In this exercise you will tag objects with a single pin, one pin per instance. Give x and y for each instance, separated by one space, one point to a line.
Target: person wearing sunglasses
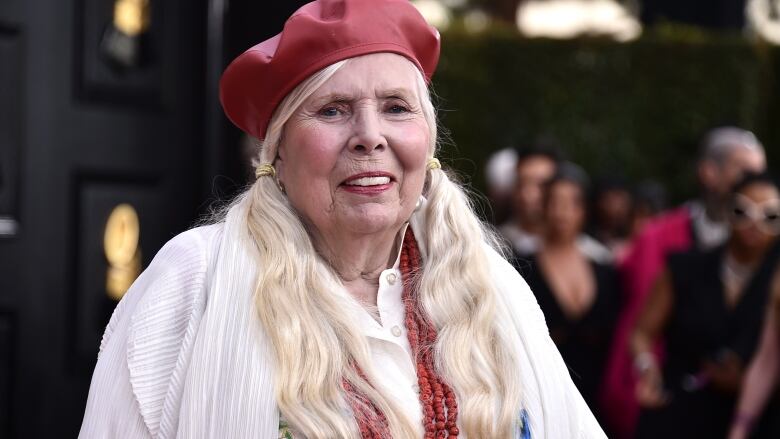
707 305
757 409
726 154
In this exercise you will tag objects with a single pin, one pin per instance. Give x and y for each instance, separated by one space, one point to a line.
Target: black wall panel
98 80
96 197
11 73
6 372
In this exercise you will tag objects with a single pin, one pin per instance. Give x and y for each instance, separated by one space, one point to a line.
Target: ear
279 162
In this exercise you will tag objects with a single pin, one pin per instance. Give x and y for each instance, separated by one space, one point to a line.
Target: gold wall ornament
132 17
124 42
122 250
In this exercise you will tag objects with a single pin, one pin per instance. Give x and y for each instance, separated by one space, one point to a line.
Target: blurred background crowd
656 309
624 149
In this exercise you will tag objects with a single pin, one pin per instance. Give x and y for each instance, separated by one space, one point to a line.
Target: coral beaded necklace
439 405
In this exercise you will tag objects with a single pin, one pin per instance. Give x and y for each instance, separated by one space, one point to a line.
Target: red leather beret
317 35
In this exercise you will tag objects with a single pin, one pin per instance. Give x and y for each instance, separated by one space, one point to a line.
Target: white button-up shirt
391 352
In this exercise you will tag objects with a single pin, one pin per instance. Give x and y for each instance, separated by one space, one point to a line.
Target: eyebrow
400 92
334 97
396 92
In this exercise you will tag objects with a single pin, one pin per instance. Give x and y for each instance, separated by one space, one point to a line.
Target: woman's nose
367 135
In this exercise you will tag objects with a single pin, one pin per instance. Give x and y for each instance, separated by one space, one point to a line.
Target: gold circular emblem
120 240
132 17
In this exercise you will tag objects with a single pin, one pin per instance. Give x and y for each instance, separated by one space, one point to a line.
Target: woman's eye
329 111
398 109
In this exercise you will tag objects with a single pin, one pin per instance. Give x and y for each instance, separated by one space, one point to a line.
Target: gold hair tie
265 170
433 163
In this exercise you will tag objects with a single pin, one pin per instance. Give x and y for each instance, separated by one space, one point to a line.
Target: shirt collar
399 243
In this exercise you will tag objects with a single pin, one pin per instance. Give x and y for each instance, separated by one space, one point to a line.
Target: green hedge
635 109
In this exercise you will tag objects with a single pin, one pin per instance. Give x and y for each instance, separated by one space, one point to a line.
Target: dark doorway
99 128
89 120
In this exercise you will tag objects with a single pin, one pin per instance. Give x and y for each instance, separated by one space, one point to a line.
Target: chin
372 219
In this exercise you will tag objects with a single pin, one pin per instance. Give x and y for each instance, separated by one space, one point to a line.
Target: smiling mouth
368 181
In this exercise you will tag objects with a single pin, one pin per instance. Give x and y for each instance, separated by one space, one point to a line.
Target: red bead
435 396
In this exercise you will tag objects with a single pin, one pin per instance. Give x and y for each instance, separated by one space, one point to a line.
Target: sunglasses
765 215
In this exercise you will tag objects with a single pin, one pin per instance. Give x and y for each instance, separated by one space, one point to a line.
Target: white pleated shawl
178 360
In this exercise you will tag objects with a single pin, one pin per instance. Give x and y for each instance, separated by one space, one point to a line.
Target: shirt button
416 388
391 278
396 331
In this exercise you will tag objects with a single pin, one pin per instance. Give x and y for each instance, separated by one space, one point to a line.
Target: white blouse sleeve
145 338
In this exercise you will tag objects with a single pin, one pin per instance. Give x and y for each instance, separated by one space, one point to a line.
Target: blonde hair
301 301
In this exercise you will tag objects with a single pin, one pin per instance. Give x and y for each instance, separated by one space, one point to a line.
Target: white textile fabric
709 233
526 244
179 360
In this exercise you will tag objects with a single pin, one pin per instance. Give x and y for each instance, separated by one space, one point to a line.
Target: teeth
369 181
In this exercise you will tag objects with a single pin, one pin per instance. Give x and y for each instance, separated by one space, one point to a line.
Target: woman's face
613 208
353 156
530 177
564 210
755 218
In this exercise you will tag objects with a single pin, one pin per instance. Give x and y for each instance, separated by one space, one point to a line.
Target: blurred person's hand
650 391
724 372
741 426
738 432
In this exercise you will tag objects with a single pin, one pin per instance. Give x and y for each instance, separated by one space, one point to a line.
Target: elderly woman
350 292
